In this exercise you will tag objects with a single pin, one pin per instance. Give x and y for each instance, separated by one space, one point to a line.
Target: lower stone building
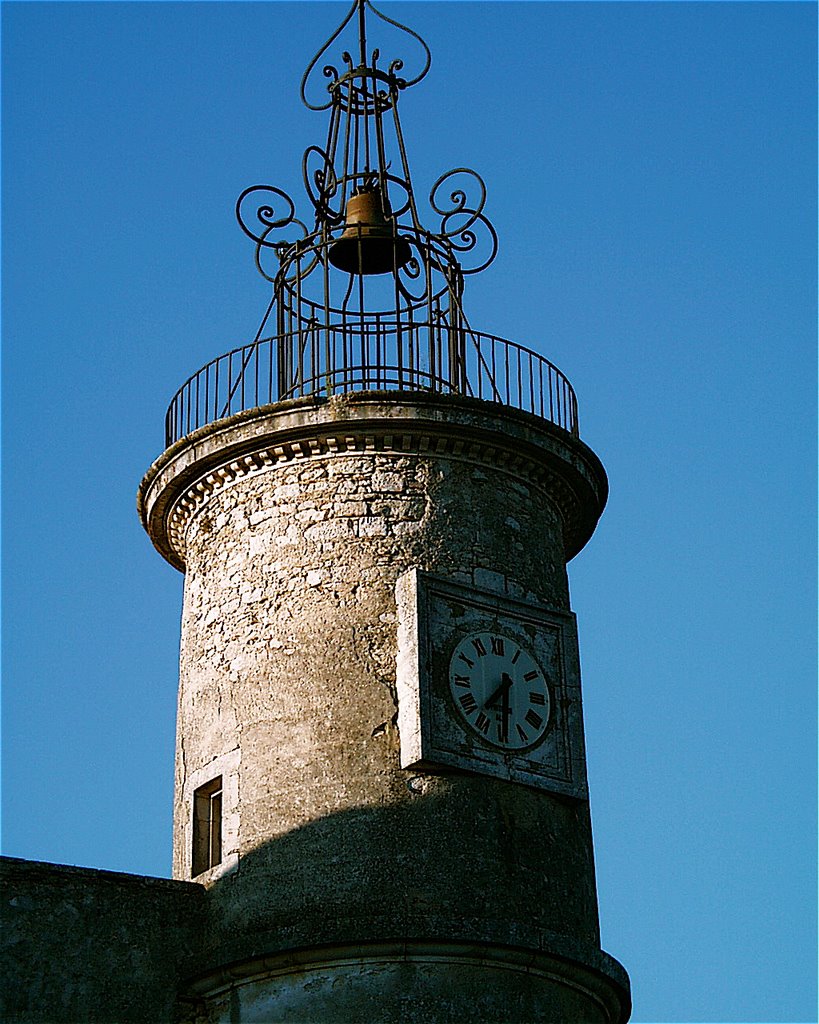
96 946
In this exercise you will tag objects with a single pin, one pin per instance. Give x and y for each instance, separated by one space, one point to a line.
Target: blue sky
651 175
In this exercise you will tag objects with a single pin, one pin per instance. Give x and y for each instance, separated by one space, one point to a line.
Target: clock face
500 690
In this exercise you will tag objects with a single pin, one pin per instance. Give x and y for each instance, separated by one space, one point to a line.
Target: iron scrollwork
459 221
268 221
321 185
331 73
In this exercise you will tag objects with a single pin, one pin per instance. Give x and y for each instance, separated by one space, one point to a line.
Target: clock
488 684
499 690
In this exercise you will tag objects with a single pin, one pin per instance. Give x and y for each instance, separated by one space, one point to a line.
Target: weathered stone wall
88 946
289 644
289 631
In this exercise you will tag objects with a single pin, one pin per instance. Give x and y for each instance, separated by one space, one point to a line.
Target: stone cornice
260 440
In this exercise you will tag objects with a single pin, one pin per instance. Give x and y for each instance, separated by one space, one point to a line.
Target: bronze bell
369 243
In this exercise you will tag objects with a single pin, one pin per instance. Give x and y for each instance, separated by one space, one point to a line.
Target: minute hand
506 682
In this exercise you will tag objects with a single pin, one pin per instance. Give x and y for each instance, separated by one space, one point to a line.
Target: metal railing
388 356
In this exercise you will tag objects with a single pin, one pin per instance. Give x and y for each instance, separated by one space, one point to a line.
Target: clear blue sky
651 175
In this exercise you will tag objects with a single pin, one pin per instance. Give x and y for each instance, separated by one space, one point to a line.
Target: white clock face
500 690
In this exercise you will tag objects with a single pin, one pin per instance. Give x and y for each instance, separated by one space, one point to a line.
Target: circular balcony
381 354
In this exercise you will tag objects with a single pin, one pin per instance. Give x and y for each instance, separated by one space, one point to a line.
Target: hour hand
506 682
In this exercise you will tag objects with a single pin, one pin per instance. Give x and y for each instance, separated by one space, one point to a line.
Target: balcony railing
387 356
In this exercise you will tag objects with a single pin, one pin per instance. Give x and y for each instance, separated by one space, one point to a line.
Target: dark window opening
207 826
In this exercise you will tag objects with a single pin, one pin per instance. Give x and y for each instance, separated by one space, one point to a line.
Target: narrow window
207 826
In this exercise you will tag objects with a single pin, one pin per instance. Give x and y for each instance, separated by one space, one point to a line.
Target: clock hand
506 711
501 692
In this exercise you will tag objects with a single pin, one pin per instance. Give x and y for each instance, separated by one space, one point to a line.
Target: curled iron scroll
424 277
463 221
397 64
328 71
265 221
321 184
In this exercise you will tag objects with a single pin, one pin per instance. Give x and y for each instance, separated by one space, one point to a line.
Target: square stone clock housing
488 684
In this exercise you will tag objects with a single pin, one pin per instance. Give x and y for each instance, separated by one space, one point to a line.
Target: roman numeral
536 698
517 655
477 643
468 703
522 734
464 658
530 676
533 718
466 682
497 645
482 723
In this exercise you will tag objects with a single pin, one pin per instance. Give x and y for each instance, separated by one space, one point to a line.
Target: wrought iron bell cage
367 298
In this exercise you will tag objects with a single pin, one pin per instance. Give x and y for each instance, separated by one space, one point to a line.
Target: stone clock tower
380 770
